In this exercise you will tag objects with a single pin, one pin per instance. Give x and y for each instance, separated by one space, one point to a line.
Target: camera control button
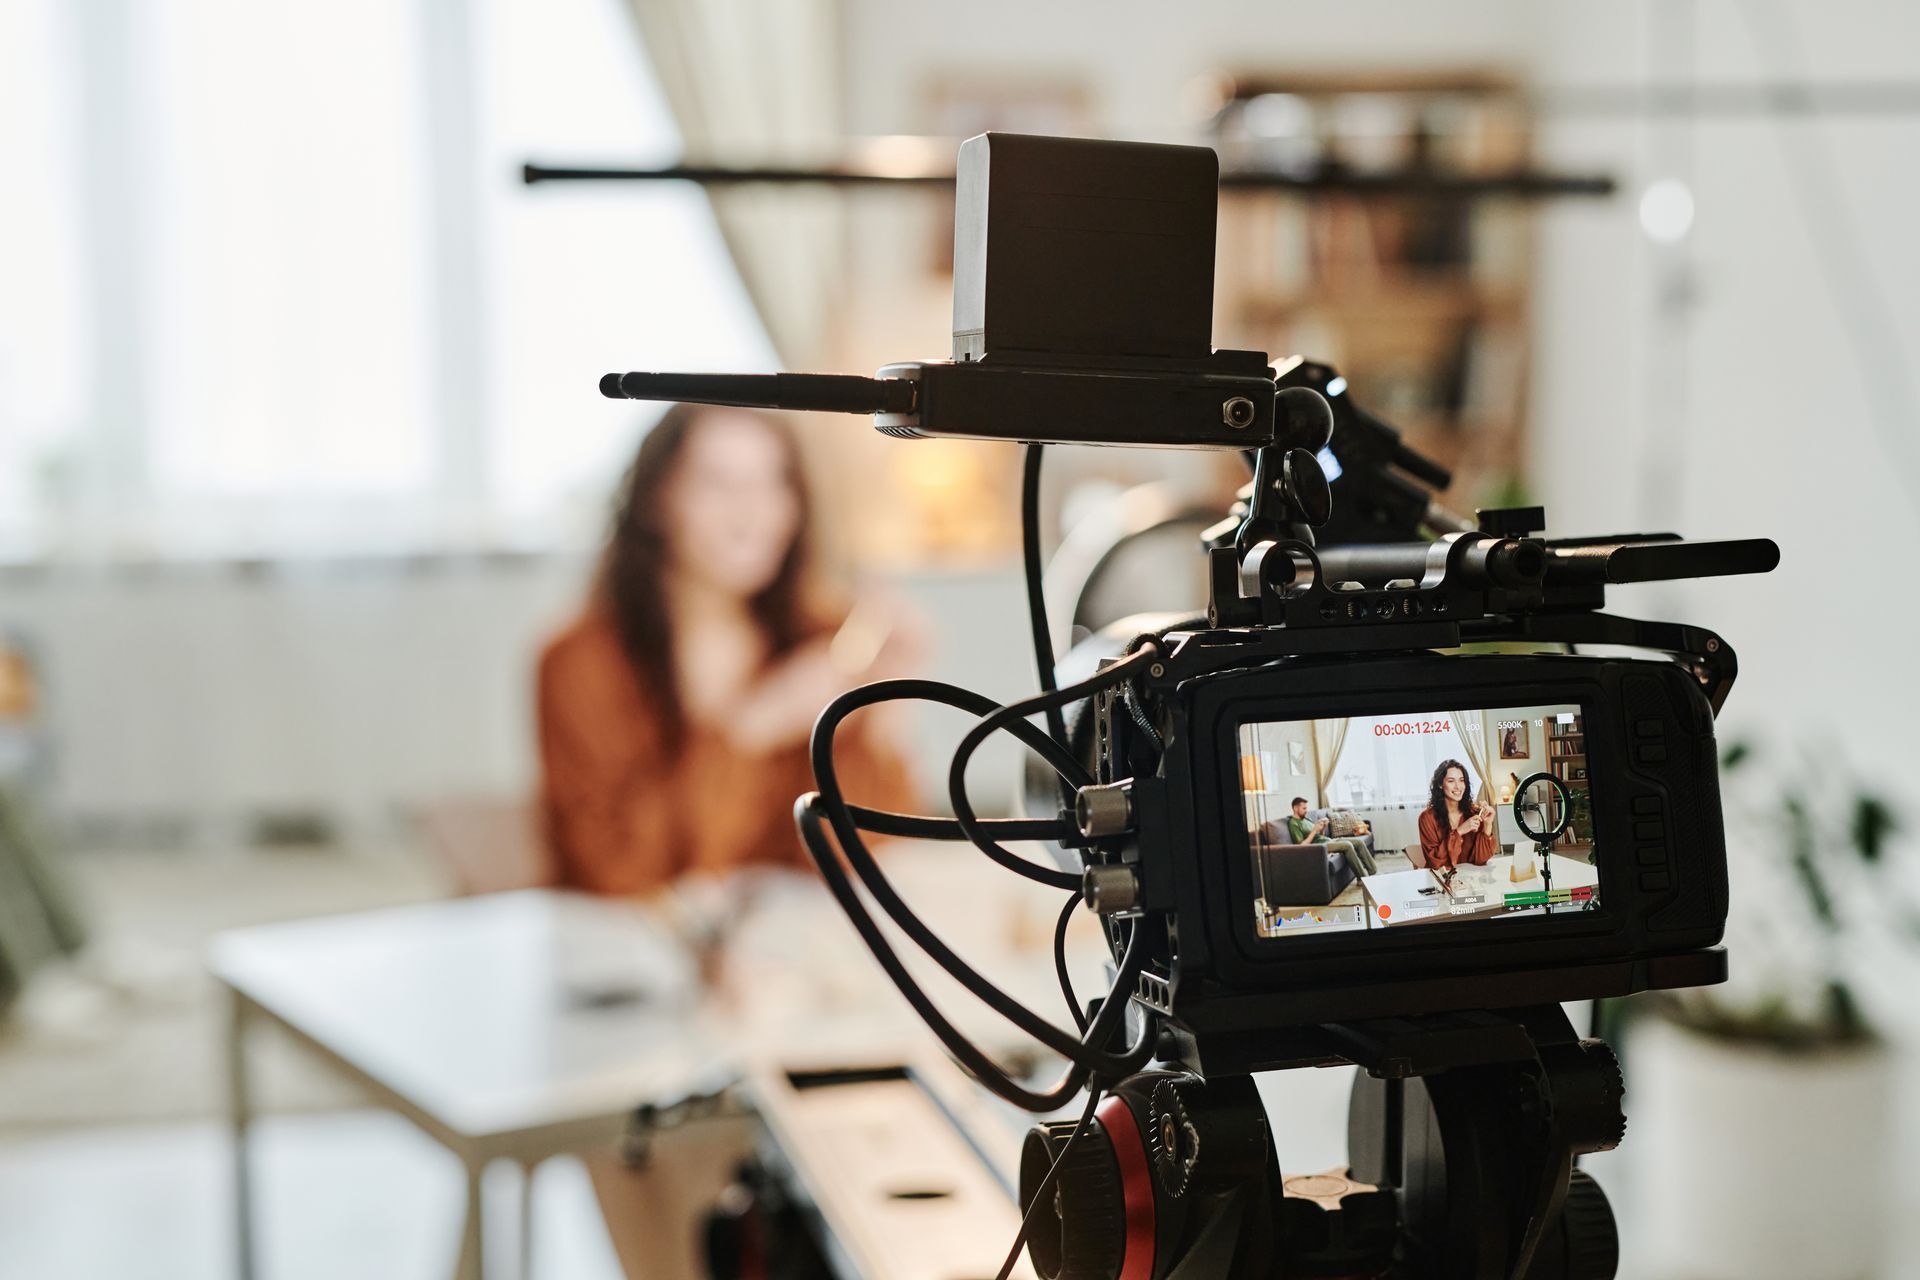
1646 804
1652 855
1650 753
1650 830
1655 880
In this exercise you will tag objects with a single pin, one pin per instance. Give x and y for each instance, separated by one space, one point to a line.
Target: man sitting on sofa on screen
1305 831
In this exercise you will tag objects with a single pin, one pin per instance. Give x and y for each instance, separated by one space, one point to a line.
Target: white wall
1752 417
1139 57
1751 414
211 692
361 690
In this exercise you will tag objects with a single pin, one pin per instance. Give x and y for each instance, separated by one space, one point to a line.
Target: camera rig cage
1083 282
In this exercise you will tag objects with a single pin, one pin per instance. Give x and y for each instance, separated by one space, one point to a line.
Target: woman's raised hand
881 638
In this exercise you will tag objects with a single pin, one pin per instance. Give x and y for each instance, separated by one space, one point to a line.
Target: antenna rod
823 392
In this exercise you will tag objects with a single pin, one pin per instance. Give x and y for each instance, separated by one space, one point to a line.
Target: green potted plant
1775 1090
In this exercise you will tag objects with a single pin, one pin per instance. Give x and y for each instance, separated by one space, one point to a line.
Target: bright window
1379 768
43 288
330 316
288 321
587 277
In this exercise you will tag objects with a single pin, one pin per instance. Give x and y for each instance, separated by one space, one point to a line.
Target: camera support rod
1520 184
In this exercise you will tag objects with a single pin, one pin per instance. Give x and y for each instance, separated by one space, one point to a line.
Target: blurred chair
487 844
39 919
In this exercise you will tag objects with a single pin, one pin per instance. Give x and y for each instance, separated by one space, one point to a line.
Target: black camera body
1248 1001
1394 658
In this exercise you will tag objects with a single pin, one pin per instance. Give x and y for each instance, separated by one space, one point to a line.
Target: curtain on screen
1470 729
1329 740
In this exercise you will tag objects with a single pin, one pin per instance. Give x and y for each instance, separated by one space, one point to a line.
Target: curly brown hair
631 582
1437 795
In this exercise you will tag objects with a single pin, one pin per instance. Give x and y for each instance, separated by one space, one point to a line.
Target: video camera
1359 646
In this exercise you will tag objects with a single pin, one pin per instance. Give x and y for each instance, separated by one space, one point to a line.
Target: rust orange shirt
1452 849
625 812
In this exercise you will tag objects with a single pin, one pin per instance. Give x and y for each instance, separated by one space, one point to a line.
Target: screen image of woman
1455 828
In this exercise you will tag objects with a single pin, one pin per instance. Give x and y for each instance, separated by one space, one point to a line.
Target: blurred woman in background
673 722
674 714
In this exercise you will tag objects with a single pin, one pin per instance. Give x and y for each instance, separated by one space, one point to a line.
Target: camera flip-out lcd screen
1390 822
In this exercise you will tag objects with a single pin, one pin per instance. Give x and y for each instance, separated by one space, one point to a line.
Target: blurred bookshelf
1419 297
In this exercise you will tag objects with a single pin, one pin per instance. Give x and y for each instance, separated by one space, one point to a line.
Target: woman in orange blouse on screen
1453 827
674 713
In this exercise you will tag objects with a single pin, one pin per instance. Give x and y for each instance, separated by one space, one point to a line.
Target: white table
495 1024
1406 898
492 1023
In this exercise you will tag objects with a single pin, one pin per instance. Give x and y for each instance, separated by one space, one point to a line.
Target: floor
132 1031
114 1162
354 1193
113 1158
